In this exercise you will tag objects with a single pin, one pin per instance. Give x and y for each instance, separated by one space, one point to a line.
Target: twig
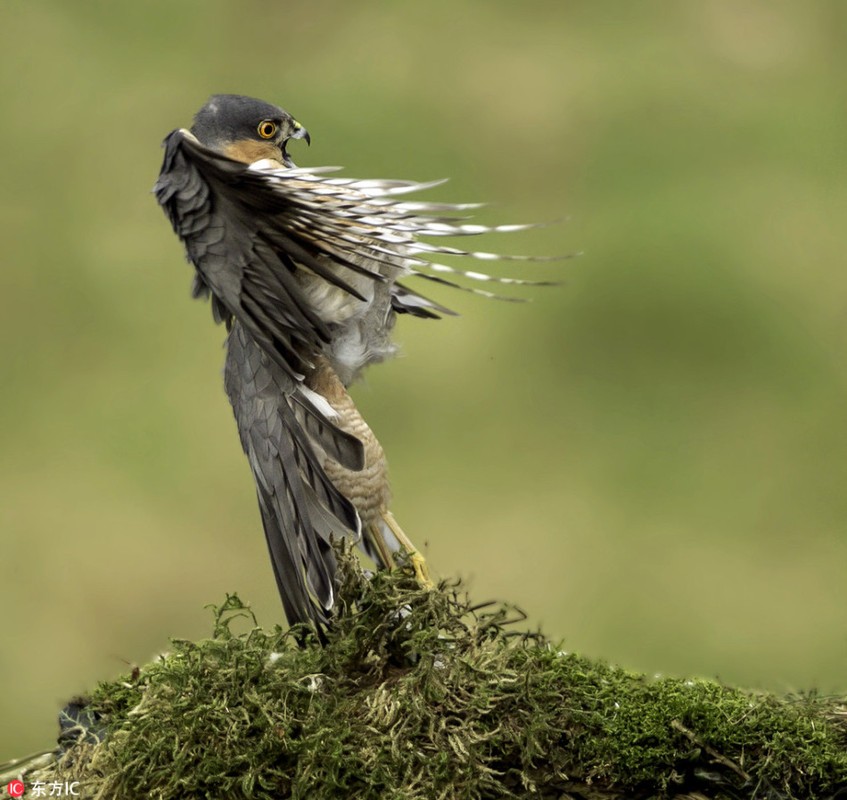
721 759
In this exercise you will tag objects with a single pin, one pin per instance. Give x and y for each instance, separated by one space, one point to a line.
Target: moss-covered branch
418 694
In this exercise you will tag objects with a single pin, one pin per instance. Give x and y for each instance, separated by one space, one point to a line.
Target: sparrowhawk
304 268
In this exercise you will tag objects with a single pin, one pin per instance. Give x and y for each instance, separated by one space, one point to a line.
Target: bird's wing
319 221
370 220
244 240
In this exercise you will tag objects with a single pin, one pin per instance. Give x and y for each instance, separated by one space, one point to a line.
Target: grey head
247 129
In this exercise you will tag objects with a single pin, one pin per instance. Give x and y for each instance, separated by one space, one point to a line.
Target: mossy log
420 694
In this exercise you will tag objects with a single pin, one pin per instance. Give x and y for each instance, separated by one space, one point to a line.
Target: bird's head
246 129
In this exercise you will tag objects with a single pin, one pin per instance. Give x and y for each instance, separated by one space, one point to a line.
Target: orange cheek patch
249 151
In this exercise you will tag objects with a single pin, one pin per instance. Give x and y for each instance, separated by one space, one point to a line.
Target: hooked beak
299 133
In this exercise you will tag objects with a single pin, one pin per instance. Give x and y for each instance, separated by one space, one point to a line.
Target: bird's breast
360 329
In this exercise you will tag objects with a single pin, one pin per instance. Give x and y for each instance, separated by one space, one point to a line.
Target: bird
304 268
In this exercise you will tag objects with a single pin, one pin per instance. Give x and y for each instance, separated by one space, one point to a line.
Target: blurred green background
650 459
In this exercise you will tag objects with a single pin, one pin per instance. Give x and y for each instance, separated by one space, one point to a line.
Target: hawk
304 268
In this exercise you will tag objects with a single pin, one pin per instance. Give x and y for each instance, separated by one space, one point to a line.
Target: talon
421 570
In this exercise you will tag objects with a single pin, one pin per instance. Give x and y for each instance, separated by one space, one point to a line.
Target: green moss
418 694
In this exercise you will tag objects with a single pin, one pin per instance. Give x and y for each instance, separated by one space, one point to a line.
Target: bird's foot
419 565
417 561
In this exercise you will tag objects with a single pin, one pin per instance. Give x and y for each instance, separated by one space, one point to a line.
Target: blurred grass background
651 459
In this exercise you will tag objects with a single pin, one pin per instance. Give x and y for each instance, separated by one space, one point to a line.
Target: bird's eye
267 129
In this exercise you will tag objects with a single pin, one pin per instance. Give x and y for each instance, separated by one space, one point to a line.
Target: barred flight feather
359 213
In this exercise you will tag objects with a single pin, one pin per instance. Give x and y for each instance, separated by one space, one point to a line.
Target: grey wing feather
216 207
300 507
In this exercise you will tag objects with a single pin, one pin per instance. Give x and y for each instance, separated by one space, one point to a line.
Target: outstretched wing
247 228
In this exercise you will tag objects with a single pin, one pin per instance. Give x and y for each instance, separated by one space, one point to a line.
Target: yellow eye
267 129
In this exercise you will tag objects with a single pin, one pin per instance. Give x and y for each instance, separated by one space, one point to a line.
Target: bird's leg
367 488
380 546
415 557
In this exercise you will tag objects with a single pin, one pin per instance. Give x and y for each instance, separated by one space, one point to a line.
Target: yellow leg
418 561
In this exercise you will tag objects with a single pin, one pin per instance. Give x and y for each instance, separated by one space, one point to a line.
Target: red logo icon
15 788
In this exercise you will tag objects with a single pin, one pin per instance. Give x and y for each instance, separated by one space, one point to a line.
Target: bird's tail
302 510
